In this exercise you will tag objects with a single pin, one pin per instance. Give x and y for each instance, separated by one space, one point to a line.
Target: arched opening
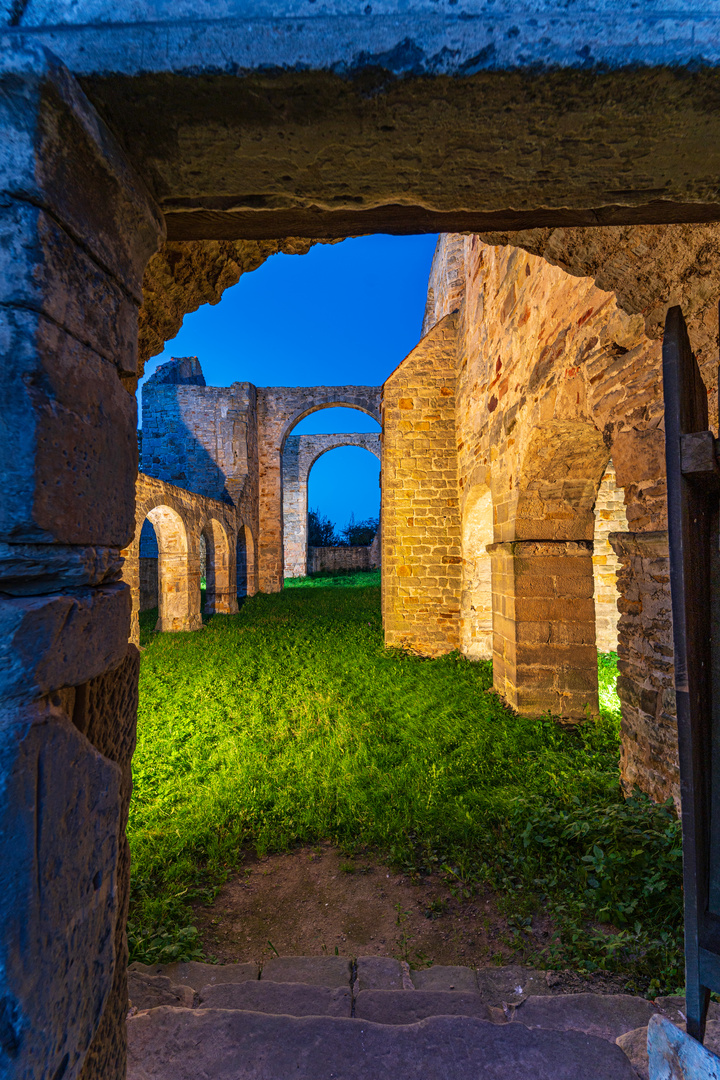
175 609
544 651
241 564
476 616
148 567
329 477
215 570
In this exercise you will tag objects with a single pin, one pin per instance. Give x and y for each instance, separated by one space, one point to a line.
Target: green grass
291 722
347 579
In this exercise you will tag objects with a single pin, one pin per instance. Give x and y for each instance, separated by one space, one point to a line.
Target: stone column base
544 655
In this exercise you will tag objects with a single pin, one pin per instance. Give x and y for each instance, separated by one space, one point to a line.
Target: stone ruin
151 154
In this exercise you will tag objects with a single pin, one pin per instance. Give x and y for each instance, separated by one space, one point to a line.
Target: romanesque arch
476 600
279 409
300 453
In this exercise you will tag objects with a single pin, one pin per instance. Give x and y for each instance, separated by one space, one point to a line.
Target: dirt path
315 900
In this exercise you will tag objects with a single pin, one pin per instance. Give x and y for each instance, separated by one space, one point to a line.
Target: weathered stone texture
353 557
299 455
649 757
105 710
420 522
77 227
609 517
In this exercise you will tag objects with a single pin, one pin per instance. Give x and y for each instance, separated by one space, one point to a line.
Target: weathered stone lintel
527 549
642 545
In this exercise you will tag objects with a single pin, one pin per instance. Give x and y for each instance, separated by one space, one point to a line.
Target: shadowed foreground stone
149 991
191 973
400 1007
313 970
605 1016
183 1044
445 977
289 999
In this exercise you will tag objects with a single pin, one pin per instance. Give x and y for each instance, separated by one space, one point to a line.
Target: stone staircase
331 1018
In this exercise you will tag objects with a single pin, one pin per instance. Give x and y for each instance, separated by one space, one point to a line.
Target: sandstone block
400 1007
63 639
69 457
197 975
61 155
445 977
59 827
149 991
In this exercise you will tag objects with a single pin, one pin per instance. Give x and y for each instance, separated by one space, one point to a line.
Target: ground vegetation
291 724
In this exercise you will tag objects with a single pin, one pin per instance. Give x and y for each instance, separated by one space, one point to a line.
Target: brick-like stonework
420 522
353 557
299 455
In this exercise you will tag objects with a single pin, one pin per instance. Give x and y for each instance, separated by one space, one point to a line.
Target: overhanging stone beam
484 119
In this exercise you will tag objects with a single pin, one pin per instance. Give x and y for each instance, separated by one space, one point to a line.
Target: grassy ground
290 722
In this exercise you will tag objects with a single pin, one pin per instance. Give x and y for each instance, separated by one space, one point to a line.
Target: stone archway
279 409
220 598
300 453
476 622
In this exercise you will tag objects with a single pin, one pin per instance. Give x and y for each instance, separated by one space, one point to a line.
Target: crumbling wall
421 579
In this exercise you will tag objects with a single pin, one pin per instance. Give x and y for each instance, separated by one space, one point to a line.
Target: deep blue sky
342 314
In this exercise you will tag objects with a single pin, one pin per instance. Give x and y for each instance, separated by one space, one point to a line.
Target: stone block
511 984
63 639
380 973
197 975
43 269
182 1044
69 455
328 971
634 1045
444 977
401 1007
606 1016
149 991
59 826
61 156
281 999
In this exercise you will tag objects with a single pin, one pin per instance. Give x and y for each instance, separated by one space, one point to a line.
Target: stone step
328 971
183 1044
401 1007
606 1016
290 999
194 974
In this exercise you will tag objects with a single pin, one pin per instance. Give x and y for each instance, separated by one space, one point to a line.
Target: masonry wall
420 523
358 557
554 379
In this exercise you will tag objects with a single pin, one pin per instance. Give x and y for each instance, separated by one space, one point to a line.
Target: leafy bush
290 722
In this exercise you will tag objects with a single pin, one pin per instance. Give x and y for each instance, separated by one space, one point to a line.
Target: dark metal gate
693 479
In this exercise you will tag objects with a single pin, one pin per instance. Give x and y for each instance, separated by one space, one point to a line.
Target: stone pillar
77 229
295 511
544 656
649 756
421 559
